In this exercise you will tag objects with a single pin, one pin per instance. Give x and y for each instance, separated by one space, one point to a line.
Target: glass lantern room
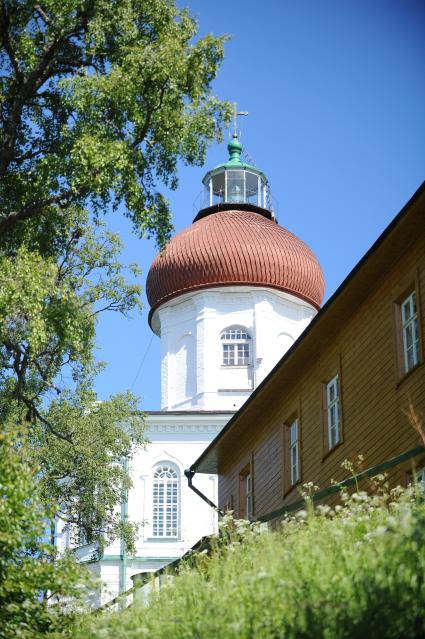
236 182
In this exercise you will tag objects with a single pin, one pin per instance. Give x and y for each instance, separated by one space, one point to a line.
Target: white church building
228 296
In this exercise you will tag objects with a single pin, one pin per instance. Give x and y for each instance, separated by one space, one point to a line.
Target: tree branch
5 39
28 87
28 210
42 14
36 413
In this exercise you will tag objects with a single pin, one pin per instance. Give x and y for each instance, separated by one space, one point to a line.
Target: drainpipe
189 476
123 549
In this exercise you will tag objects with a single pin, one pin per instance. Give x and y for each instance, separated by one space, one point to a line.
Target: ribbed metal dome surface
234 247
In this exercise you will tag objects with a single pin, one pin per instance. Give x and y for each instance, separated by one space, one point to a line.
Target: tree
48 310
100 100
83 469
34 584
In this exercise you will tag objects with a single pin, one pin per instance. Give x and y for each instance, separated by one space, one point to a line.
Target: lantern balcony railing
205 199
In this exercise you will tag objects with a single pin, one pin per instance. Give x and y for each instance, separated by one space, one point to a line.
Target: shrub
36 587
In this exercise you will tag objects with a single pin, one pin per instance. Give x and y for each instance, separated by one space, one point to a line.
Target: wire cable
142 362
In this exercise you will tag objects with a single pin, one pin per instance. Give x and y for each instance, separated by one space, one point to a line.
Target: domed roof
234 247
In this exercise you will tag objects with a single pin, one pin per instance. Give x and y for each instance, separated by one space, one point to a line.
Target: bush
36 587
354 571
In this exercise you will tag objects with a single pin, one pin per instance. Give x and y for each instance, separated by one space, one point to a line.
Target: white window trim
294 452
411 323
232 347
168 510
248 496
334 426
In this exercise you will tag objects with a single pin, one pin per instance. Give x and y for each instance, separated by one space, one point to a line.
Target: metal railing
202 201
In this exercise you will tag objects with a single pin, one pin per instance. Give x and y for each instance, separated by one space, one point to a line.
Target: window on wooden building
333 412
246 493
229 505
165 502
410 333
291 451
236 346
294 452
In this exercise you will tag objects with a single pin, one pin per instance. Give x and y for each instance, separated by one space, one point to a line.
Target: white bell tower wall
196 374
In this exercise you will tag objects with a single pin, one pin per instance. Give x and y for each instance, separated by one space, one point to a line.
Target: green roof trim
136 558
346 483
234 162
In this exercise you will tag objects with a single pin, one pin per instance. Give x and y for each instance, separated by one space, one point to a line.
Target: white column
206 347
166 355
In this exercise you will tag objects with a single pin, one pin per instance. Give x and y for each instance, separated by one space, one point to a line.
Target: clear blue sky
335 91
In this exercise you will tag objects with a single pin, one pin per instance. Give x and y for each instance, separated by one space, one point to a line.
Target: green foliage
353 571
81 462
99 101
49 305
31 579
48 309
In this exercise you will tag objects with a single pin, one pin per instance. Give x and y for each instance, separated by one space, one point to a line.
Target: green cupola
235 181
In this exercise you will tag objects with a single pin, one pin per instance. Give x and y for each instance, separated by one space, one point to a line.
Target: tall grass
354 571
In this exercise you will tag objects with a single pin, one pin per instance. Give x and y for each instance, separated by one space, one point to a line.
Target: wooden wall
375 397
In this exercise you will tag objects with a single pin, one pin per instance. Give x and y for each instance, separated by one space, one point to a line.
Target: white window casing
165 502
333 407
236 347
294 453
248 496
409 318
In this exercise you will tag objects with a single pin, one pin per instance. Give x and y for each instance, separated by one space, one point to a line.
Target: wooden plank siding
373 401
361 346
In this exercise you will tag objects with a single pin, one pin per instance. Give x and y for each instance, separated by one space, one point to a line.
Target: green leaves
32 579
48 312
26 281
83 468
100 101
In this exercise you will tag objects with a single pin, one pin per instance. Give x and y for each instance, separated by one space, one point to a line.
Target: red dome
231 248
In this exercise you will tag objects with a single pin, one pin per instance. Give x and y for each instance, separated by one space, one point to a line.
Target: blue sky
335 91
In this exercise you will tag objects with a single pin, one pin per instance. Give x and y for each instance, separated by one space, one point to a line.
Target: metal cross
235 118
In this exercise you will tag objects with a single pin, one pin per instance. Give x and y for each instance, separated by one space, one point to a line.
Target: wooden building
343 389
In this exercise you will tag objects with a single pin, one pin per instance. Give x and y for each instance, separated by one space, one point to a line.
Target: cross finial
235 118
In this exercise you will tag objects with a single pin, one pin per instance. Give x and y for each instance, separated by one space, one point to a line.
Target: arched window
165 519
236 343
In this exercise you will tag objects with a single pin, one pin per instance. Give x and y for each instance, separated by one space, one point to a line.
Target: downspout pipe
189 474
123 549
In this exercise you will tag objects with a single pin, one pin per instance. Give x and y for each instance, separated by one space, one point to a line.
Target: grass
353 571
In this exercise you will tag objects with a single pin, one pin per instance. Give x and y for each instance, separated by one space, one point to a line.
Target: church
228 296
262 388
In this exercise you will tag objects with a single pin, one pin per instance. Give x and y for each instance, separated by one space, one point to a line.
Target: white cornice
186 423
178 427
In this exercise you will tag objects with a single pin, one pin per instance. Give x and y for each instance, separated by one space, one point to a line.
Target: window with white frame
248 496
333 412
165 513
294 451
409 318
246 493
236 346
